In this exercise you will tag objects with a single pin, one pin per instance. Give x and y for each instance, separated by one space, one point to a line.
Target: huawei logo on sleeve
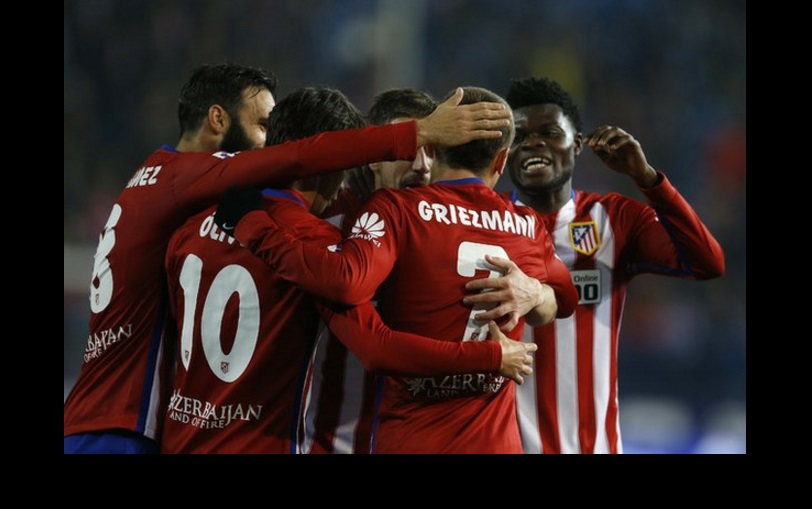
368 227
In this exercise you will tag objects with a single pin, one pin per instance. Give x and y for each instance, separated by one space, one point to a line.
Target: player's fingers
502 263
484 135
531 347
620 141
609 136
598 138
455 99
483 298
493 330
487 109
512 323
594 135
492 314
489 124
486 283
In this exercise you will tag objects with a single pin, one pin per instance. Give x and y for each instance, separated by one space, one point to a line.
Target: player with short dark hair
424 244
118 400
606 240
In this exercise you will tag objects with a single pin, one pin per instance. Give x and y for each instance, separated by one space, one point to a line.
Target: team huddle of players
297 277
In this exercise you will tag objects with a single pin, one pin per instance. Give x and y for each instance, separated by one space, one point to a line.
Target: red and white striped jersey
123 382
426 243
339 398
570 404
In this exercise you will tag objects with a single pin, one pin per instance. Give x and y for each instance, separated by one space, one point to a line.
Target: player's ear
375 167
578 143
500 160
217 119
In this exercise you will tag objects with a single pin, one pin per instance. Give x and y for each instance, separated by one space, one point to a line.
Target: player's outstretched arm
381 349
306 262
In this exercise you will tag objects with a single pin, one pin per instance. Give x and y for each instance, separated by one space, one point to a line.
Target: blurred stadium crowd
671 73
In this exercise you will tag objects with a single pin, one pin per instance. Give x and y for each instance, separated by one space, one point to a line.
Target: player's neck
439 174
309 196
197 143
547 201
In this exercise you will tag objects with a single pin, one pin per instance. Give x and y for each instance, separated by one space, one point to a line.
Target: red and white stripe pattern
337 416
571 404
338 398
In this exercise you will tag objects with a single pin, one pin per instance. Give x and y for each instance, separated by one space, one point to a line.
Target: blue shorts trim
110 442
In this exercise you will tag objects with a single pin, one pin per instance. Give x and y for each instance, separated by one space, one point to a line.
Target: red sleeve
280 164
348 273
381 349
672 240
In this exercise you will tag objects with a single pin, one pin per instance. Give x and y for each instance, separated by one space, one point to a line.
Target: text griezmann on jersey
505 221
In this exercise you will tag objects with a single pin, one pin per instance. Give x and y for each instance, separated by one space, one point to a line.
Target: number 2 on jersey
470 259
231 279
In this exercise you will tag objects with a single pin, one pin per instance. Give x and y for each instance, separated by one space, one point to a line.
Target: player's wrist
422 132
540 294
650 178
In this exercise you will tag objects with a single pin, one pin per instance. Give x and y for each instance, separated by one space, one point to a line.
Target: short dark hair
221 84
400 103
530 91
387 106
308 111
476 155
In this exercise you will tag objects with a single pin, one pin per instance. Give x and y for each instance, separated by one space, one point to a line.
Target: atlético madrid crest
584 237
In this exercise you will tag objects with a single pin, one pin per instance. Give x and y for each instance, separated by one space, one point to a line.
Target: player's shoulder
195 231
610 201
198 221
616 207
166 160
182 159
510 201
394 196
346 203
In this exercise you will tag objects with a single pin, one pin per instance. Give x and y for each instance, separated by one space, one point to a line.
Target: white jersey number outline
470 259
101 294
231 279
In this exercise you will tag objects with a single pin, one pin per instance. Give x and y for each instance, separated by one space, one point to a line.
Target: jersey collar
462 181
287 194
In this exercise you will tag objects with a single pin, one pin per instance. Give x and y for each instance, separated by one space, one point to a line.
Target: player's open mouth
535 165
